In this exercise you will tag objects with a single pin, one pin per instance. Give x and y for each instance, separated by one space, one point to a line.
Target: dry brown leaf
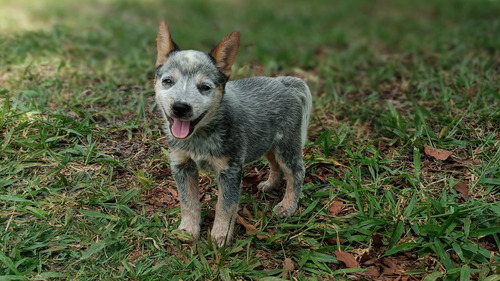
463 188
389 266
150 208
246 212
347 258
320 177
373 271
370 261
377 240
250 228
439 154
335 207
333 241
471 92
381 145
288 265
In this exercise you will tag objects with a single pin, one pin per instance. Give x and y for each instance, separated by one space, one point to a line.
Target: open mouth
181 129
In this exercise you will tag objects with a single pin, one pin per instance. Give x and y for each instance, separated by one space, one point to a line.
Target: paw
284 209
221 236
191 228
266 186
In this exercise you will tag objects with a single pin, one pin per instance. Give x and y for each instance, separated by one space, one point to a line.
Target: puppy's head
189 84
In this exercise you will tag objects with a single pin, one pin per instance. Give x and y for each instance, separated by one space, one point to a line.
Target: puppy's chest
204 162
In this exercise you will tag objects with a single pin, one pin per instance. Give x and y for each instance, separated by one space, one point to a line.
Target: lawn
402 163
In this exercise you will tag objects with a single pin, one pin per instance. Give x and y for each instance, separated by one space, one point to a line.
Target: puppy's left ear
164 44
225 52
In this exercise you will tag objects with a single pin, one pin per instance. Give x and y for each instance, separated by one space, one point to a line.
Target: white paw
192 228
266 186
221 236
284 209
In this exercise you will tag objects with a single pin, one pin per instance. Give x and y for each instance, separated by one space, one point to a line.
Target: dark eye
204 88
167 82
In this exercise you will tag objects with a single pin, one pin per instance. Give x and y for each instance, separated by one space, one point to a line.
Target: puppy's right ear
164 44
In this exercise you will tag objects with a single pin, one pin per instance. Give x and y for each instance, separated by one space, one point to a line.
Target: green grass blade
12 278
494 277
403 247
442 255
465 273
448 222
485 231
99 246
8 262
433 276
396 234
416 163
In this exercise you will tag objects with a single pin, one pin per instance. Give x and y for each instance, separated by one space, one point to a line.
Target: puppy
219 126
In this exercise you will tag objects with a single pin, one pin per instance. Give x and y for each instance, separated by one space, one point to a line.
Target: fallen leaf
471 92
149 208
246 212
439 154
377 240
320 177
390 152
381 145
370 261
288 265
347 259
401 181
335 207
410 255
333 241
250 228
463 188
389 266
373 271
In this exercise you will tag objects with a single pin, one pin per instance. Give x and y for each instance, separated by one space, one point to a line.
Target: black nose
181 109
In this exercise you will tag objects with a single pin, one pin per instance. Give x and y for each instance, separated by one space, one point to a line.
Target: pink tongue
180 128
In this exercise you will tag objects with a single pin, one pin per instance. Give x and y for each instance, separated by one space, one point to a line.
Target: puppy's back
273 98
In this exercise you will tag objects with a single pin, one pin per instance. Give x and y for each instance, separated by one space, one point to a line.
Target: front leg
185 173
226 212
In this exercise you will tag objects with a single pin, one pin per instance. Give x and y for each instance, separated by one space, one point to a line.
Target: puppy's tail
306 99
302 91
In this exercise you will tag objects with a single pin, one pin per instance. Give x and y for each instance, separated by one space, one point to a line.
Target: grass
85 187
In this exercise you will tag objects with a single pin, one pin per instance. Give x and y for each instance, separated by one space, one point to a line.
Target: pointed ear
164 44
225 52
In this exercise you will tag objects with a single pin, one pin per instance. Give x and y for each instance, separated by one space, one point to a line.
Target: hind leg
275 175
290 161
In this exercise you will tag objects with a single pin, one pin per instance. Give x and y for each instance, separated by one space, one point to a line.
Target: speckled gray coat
215 125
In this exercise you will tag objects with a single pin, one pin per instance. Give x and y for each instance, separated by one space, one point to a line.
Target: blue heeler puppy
216 125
